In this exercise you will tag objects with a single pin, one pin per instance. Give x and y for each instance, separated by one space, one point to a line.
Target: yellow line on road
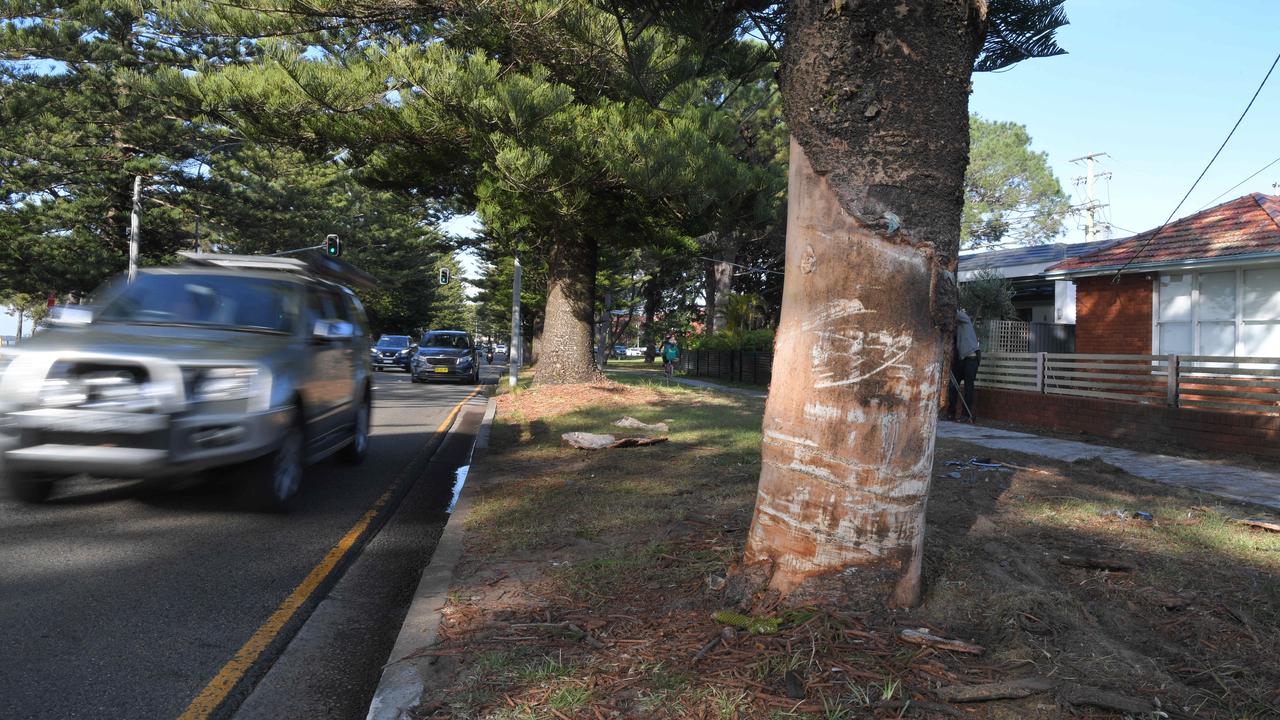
221 685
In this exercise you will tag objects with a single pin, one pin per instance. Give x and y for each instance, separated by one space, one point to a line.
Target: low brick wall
1223 432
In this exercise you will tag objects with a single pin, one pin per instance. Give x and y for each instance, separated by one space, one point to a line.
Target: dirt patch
594 586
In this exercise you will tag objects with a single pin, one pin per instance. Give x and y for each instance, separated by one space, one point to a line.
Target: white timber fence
1234 384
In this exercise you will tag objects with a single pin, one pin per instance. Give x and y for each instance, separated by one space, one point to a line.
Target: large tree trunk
652 296
568 326
719 279
876 97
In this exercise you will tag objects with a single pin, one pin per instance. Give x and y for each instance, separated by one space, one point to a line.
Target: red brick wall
1114 318
1159 425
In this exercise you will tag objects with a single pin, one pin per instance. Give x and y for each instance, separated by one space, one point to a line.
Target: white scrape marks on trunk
790 438
835 310
848 357
818 411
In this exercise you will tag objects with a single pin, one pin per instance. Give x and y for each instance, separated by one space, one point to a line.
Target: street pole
135 227
514 351
1091 206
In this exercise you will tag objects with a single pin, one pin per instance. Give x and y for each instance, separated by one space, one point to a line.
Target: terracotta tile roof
1248 225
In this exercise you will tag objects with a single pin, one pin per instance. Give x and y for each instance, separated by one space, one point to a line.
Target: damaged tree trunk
876 96
569 326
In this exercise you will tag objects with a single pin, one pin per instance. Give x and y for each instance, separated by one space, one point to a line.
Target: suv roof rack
313 264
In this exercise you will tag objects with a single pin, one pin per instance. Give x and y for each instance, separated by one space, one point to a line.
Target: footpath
1228 481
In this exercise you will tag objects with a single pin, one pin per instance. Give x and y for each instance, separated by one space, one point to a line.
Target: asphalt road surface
119 602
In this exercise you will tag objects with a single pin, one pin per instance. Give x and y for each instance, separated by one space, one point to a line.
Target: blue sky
1157 86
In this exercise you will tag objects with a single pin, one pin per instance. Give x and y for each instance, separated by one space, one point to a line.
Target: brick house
1207 284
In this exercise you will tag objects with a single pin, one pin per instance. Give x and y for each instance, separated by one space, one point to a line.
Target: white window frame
1195 274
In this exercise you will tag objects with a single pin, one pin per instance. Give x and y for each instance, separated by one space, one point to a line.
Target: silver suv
225 360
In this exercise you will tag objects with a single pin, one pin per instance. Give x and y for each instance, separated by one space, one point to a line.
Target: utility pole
135 227
513 351
1091 206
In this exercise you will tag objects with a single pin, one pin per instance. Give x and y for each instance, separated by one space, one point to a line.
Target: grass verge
590 579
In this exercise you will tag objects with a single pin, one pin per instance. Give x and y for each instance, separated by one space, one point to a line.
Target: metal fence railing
1238 384
745 366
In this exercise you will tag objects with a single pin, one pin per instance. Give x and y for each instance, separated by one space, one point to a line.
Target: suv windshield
393 342
212 300
445 340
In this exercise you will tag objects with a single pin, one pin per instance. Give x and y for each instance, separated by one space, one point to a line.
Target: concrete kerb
406 674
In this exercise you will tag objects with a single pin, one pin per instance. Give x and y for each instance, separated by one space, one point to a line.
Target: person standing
670 354
965 357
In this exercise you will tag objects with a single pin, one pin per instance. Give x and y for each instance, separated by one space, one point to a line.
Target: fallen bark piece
1260 524
1010 689
1096 562
634 424
922 636
638 442
594 441
1105 699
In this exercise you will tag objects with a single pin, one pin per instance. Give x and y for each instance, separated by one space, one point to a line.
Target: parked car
446 355
619 350
635 352
260 363
392 351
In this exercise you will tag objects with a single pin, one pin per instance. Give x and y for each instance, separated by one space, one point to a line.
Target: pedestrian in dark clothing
964 365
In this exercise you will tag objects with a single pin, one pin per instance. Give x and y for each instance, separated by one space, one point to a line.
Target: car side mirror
328 330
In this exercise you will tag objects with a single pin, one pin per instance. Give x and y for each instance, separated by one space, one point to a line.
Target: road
118 602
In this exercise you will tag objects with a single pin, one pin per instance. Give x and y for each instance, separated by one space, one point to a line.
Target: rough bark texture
719 279
876 96
652 296
568 328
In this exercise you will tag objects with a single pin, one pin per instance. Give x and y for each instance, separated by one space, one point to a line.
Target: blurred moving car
619 350
446 355
392 351
635 352
259 362
500 349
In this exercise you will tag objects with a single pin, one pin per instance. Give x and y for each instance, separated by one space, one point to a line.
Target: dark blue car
392 351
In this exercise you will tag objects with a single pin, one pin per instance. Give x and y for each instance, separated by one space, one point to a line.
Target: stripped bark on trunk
876 96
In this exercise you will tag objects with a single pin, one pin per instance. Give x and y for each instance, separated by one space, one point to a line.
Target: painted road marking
221 685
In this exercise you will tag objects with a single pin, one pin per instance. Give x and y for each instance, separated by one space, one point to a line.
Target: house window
1221 312
1260 316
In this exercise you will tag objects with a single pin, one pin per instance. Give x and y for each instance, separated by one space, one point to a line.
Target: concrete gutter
405 676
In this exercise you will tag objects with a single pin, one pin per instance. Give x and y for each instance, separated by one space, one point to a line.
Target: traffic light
333 246
444 276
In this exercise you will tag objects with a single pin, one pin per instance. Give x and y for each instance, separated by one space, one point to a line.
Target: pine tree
88 105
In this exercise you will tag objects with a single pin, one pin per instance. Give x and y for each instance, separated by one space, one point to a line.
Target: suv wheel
274 479
28 488
355 451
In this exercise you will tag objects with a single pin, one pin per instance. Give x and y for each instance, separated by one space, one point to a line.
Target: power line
1116 278
744 267
1233 187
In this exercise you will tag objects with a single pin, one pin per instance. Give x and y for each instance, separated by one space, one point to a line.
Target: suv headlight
465 360
231 383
